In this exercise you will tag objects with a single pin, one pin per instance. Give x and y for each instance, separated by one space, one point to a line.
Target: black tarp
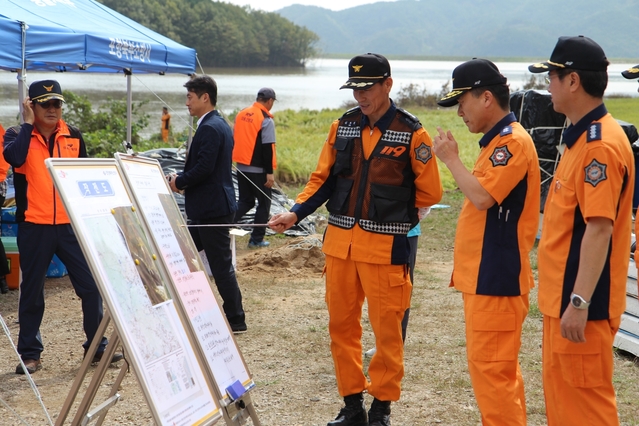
172 161
535 112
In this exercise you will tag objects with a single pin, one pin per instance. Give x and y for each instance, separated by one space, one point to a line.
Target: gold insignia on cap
452 94
539 65
558 64
633 70
356 68
363 84
48 88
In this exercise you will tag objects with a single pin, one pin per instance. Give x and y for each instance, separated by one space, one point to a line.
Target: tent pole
22 73
129 103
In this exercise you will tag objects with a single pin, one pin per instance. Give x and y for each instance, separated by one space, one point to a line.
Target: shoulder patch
423 153
500 156
508 130
595 172
594 132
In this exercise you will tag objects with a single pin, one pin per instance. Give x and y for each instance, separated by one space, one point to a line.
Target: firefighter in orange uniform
376 170
584 249
495 233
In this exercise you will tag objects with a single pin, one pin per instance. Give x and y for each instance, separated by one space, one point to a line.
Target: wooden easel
235 412
88 186
83 416
93 185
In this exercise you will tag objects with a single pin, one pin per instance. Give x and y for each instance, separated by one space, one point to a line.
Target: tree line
224 35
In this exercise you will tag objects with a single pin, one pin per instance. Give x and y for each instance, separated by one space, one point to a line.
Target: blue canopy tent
83 36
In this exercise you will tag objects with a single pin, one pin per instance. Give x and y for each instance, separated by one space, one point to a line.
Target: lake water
314 87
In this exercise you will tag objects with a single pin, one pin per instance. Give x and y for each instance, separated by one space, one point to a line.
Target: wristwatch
578 302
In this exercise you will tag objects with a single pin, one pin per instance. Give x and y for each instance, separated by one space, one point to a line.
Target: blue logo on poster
95 188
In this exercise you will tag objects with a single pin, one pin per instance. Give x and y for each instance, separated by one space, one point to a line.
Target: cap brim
47 98
360 84
451 98
631 73
542 67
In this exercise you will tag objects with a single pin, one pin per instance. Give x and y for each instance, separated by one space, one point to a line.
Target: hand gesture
27 111
445 146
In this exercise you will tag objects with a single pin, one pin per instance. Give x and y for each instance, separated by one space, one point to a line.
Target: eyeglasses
56 103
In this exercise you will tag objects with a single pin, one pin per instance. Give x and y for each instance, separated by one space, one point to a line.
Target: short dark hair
501 92
593 82
203 84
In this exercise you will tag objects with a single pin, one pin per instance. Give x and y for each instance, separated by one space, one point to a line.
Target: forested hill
466 28
224 35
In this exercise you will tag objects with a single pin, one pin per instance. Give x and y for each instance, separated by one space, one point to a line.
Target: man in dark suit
209 195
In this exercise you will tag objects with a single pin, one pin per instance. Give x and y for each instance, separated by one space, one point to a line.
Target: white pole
129 103
22 73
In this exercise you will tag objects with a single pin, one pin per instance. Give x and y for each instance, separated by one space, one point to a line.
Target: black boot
379 414
353 414
4 287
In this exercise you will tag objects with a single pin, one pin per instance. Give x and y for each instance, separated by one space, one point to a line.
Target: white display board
155 339
154 199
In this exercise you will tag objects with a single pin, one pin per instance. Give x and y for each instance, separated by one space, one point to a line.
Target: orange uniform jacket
595 178
26 149
492 246
366 246
247 137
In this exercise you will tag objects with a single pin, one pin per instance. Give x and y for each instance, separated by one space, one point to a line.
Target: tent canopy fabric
72 35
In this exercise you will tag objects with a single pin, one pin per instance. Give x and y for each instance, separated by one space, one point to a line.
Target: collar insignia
508 130
594 132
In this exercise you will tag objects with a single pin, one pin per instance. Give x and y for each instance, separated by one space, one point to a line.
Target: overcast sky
272 5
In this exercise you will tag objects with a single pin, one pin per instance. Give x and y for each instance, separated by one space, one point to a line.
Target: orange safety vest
247 135
37 199
379 190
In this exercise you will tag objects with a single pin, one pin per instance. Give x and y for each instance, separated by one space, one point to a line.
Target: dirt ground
287 350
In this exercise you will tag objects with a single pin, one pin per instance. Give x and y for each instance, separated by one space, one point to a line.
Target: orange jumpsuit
595 178
364 259
492 269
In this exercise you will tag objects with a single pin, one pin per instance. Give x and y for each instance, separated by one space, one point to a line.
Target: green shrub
105 129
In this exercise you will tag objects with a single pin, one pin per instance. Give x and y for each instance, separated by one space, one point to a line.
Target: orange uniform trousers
165 135
578 376
387 289
493 339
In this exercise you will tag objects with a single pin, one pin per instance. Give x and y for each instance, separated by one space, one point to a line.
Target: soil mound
298 256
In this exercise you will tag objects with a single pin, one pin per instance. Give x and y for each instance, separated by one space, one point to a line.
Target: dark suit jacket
207 180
